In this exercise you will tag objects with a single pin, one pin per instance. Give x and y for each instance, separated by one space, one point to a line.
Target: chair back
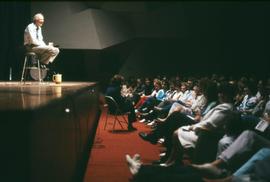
113 107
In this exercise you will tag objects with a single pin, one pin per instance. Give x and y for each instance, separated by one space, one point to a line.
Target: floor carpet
107 158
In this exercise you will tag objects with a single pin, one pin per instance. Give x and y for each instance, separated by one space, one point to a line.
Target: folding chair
115 111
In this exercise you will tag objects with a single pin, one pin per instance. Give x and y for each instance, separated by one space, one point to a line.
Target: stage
47 130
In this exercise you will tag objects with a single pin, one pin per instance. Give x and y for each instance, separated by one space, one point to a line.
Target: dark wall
74 27
14 16
222 37
186 38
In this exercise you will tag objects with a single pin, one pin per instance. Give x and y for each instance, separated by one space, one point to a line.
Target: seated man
33 41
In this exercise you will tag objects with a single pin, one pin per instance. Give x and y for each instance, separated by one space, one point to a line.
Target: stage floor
30 95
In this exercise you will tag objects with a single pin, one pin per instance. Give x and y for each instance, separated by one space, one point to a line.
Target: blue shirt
160 95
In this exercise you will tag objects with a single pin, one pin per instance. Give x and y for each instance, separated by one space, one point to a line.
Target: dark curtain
14 16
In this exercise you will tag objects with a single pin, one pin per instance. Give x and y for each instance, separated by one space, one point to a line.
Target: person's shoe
162 154
147 121
160 161
43 66
151 123
153 127
137 157
133 165
161 119
142 120
148 138
209 170
161 140
158 108
168 164
145 114
144 110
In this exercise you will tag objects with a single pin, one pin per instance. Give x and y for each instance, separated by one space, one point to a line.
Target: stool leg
23 72
39 74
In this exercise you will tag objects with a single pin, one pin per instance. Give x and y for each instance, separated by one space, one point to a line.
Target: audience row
183 112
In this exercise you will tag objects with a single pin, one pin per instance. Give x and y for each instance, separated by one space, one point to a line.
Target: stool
27 66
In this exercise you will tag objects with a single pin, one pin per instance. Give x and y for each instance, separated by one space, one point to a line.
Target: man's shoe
148 138
43 66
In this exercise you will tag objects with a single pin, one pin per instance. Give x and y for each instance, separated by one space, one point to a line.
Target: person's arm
198 115
215 120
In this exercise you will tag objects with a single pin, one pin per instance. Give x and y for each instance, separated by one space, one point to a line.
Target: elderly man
33 41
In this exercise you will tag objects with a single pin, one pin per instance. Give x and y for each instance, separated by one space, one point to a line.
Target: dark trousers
172 123
176 173
128 107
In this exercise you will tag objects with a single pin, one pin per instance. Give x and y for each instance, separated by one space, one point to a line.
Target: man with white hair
33 41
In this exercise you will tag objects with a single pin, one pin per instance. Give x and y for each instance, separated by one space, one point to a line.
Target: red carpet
107 159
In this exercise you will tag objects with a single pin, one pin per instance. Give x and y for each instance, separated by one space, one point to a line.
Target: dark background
99 39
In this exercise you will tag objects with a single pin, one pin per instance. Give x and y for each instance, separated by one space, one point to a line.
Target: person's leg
175 121
249 166
238 152
146 106
131 115
161 174
174 107
127 106
224 143
135 98
47 54
176 152
245 145
166 129
134 163
249 121
52 52
163 103
140 102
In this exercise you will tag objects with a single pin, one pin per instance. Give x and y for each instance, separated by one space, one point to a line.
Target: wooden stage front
47 130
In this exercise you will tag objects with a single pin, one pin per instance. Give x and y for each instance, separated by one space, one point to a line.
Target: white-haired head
38 19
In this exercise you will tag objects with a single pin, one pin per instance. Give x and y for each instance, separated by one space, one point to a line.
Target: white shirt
187 95
248 102
215 118
33 35
177 95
